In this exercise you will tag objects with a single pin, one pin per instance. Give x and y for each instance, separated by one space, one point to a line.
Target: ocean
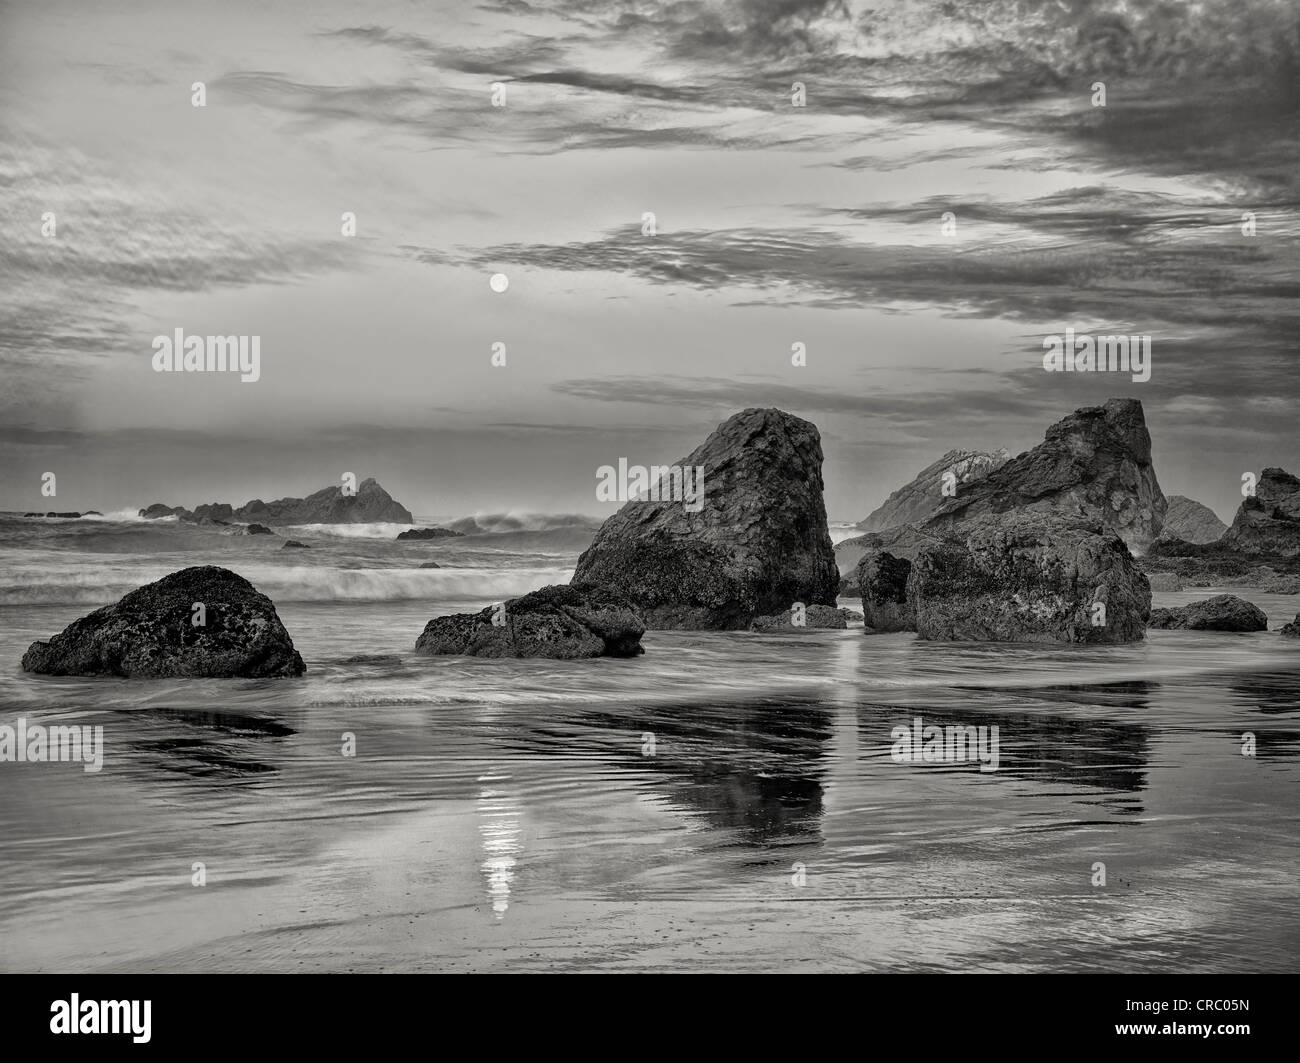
728 801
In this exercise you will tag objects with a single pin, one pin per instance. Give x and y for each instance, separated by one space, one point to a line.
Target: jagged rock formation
1268 522
1094 464
329 505
917 501
1191 521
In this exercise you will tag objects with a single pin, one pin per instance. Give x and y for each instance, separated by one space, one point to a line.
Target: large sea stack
1095 464
755 544
200 622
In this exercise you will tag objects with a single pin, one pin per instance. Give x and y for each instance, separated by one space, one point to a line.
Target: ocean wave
106 584
522 521
373 530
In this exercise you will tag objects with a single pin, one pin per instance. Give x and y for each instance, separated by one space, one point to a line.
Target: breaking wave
106 584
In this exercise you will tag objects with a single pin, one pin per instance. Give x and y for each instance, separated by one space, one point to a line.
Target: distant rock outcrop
1191 521
1095 465
905 541
158 510
1223 612
756 543
1291 630
294 544
1029 577
330 505
917 501
565 622
152 633
430 533
67 515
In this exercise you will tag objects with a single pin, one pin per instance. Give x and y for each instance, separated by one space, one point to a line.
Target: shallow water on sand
649 814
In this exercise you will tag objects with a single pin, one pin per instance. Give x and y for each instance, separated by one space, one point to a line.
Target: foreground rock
814 616
1191 521
917 501
1094 465
1223 612
429 533
150 633
370 504
754 544
1024 578
882 581
565 622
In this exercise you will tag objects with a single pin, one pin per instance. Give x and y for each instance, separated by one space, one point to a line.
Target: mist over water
510 814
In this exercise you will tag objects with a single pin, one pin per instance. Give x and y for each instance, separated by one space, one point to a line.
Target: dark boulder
565 622
1030 578
158 510
257 529
1223 612
1291 630
217 512
882 581
753 544
294 544
429 533
151 633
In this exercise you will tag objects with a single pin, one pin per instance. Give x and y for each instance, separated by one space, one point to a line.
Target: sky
774 224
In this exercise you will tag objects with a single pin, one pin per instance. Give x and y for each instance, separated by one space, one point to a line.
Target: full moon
499 282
